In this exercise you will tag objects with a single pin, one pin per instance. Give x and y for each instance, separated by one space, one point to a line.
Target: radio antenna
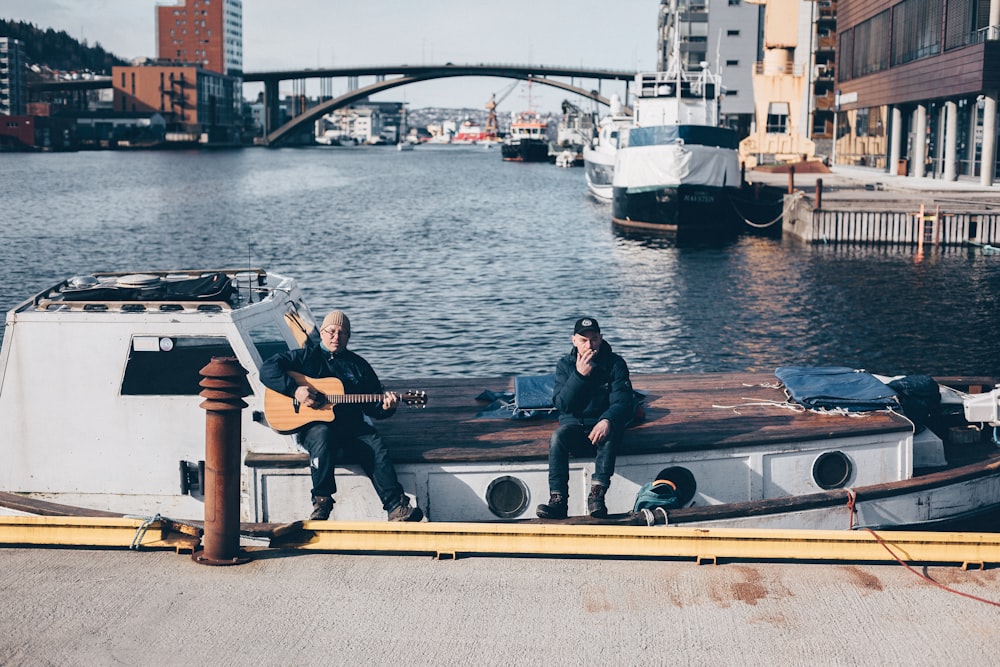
249 272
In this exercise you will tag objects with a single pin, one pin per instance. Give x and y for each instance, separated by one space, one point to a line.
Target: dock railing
804 220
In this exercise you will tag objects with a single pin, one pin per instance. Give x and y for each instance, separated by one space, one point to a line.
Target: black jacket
604 394
314 361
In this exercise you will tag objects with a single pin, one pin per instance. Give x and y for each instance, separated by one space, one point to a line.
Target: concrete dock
103 607
870 188
870 206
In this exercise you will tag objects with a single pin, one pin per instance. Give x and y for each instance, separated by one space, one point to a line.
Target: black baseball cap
586 324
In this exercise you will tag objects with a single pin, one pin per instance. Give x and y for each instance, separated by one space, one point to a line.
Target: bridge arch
276 136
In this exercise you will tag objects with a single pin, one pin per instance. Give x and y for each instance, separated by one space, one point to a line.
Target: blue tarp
532 397
836 387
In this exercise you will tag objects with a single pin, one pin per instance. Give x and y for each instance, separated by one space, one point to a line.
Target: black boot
322 506
404 511
555 509
595 502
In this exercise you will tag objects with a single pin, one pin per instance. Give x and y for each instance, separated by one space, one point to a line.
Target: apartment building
725 34
206 33
13 92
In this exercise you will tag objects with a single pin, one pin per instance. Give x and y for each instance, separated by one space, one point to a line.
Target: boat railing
102 306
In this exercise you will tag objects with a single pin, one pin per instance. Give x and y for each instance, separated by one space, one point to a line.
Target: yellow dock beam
64 531
701 544
453 539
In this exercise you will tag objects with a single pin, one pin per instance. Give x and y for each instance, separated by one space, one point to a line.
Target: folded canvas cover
836 387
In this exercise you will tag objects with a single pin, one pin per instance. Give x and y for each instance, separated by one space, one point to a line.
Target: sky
296 34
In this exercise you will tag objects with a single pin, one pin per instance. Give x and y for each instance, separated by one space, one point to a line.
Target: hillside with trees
59 51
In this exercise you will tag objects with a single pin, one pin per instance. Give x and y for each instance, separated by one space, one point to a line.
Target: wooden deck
683 412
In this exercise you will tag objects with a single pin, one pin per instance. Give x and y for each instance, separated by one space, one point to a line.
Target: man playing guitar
349 434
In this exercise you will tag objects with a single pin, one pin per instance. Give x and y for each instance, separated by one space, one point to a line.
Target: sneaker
595 502
555 509
404 512
322 506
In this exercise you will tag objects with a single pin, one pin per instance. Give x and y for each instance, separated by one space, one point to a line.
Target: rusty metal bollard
224 383
819 193
791 179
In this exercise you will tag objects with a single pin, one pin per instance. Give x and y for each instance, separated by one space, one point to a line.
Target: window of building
733 33
732 63
965 22
777 118
916 30
734 3
870 45
845 54
732 93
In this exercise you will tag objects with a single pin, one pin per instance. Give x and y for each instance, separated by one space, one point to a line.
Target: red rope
925 577
851 498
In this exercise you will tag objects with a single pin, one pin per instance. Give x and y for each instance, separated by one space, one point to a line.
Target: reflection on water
453 262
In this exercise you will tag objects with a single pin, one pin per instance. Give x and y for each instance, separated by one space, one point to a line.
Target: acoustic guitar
285 414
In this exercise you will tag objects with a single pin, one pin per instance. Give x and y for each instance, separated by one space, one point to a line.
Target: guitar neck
353 399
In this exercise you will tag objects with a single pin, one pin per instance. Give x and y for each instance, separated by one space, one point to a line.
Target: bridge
406 74
401 75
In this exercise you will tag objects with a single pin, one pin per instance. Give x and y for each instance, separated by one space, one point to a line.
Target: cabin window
169 366
270 338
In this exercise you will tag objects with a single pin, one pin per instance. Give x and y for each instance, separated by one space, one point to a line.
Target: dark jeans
571 440
329 444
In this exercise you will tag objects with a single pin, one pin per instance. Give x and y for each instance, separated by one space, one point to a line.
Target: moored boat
527 140
574 131
676 170
599 155
129 349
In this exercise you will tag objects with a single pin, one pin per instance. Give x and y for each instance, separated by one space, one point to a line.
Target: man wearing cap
349 434
593 394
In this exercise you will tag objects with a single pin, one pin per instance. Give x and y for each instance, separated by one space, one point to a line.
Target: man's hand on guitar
309 397
390 401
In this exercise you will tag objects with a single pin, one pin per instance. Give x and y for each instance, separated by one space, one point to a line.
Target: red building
199 105
206 33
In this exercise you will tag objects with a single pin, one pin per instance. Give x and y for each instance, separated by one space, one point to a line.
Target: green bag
673 487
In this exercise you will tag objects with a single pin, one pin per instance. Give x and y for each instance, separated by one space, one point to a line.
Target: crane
491 129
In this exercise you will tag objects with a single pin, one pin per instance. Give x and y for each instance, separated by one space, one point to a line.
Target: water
451 262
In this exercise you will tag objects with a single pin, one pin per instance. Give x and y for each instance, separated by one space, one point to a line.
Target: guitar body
284 414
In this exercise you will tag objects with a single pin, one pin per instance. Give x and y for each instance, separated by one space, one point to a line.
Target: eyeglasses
330 331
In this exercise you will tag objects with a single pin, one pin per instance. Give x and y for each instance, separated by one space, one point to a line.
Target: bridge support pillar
272 107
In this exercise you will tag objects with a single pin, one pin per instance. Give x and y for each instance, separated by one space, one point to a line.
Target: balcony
826 102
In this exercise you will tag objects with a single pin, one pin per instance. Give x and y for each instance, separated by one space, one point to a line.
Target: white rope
757 225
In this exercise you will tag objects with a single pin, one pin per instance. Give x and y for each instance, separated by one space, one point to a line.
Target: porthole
832 470
507 497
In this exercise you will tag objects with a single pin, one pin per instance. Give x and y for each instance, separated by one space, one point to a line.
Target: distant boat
470 133
574 131
599 155
527 140
404 145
